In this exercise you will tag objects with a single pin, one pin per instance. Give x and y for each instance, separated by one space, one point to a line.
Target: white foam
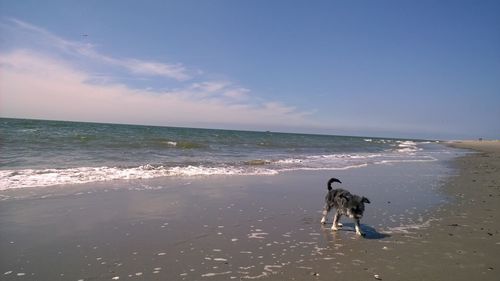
407 147
11 179
172 143
403 151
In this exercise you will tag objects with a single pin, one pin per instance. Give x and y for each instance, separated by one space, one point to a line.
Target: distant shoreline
478 145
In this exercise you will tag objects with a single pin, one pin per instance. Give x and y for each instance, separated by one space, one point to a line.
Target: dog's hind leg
325 213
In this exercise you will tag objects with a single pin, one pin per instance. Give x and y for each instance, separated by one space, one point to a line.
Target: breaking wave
11 179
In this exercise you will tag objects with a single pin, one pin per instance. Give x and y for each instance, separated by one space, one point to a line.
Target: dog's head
355 206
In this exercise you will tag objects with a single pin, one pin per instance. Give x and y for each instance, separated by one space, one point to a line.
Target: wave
12 179
22 178
407 147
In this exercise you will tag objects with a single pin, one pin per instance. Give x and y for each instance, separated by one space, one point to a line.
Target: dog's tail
332 180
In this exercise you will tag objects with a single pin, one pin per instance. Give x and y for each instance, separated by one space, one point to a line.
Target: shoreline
485 146
260 227
464 242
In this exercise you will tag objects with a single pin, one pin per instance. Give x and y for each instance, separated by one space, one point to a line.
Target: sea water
37 153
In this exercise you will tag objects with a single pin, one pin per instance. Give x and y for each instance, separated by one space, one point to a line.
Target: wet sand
462 241
249 228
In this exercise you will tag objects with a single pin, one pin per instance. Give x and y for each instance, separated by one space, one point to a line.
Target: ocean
37 153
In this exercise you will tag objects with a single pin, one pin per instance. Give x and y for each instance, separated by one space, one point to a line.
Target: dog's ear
365 200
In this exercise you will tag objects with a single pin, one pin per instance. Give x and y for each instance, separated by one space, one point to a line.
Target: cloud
40 36
136 66
219 89
50 82
35 85
176 71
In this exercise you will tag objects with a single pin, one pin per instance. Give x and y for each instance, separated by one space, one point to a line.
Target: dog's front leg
358 228
325 213
336 219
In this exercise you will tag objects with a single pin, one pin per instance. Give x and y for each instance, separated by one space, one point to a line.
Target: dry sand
250 228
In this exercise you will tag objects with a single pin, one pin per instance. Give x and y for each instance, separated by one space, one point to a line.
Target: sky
416 69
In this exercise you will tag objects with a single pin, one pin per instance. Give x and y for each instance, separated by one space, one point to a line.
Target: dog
344 203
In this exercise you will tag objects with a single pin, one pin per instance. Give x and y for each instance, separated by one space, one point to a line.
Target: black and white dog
344 203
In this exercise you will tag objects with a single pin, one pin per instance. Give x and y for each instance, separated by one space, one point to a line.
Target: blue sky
426 69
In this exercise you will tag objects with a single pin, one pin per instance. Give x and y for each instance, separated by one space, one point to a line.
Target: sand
462 242
256 228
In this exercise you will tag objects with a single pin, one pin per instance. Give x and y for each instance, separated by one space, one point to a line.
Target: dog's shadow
368 231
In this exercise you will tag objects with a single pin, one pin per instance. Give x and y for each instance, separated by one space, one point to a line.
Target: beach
260 227
249 140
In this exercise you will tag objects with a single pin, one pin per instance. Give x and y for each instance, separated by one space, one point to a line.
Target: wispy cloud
142 67
175 71
40 84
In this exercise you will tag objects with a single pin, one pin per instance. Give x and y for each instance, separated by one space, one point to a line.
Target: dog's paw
339 224
323 221
362 234
334 228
